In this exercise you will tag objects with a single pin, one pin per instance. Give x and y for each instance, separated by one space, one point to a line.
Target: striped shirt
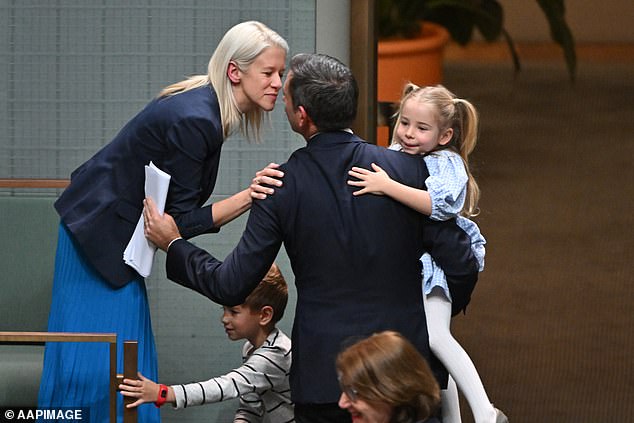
261 383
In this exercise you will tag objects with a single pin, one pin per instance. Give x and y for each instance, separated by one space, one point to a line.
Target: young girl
432 122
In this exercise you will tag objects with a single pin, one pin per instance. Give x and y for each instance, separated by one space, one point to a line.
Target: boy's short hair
271 291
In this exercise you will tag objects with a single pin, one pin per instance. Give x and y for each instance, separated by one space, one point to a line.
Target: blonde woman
182 132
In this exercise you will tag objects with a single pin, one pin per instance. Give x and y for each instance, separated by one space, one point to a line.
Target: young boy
261 382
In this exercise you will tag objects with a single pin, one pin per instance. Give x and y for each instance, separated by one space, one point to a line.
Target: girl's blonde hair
457 114
241 44
387 369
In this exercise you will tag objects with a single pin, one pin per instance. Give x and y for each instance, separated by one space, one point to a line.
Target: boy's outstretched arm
144 390
379 182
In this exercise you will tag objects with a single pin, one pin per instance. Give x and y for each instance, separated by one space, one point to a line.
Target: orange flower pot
418 60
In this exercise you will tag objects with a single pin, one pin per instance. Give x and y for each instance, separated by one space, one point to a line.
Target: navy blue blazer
355 259
182 135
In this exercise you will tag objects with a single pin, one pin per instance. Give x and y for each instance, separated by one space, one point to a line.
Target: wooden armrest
130 354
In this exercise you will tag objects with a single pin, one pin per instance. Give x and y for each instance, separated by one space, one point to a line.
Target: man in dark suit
355 259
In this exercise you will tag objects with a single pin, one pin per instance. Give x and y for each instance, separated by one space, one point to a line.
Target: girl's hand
371 182
267 176
143 389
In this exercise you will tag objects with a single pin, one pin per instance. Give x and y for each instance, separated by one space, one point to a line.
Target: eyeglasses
350 392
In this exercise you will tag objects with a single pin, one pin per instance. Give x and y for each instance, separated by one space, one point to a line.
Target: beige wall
590 20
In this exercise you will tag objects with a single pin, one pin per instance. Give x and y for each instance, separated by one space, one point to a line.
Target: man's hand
160 229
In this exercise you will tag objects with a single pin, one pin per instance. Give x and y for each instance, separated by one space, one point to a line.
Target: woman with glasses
384 379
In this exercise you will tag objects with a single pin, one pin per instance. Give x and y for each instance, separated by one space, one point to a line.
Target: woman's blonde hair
459 115
241 44
387 369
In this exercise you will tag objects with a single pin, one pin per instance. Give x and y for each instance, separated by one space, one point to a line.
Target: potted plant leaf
406 20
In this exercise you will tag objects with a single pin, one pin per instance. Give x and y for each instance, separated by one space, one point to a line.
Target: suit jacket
182 135
355 259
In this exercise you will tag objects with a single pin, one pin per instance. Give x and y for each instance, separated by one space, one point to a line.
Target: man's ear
446 137
233 72
266 315
305 122
304 118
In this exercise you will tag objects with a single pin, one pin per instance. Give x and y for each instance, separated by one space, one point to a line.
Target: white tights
457 362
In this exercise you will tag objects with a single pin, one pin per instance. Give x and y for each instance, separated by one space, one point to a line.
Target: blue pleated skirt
77 374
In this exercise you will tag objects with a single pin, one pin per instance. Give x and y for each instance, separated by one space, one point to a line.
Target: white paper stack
139 254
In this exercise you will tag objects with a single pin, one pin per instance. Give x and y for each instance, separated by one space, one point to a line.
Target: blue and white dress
447 187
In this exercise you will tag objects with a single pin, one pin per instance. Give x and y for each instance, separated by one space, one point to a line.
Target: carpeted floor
551 324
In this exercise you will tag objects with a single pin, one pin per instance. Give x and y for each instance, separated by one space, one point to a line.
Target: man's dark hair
326 89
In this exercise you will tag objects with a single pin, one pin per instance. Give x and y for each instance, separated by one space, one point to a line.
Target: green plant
461 18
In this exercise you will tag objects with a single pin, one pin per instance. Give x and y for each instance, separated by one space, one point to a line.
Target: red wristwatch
162 396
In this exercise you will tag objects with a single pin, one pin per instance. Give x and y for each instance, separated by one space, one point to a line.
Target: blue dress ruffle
447 187
77 374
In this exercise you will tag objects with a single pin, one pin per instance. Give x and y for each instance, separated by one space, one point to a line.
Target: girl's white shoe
500 417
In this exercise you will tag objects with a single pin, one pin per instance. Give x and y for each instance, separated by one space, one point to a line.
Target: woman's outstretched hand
261 184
